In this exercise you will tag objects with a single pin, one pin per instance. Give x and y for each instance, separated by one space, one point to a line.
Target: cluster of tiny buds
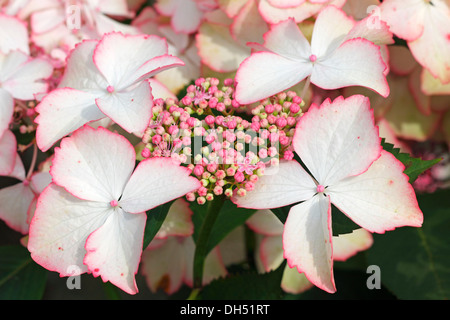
227 146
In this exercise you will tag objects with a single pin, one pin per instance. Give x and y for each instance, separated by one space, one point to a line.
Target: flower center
313 58
320 188
110 89
114 203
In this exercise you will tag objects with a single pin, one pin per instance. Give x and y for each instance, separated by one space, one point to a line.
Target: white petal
114 250
213 267
286 39
104 24
349 244
265 73
330 29
373 29
218 49
337 139
294 282
8 151
248 25
432 48
60 227
173 78
286 3
14 203
186 17
94 164
124 59
165 266
29 79
405 18
6 110
178 221
19 170
380 199
11 62
154 182
13 34
271 252
43 21
307 240
357 62
265 222
39 181
80 72
63 111
132 110
274 15
290 184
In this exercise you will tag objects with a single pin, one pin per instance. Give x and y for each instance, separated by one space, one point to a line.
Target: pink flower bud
239 176
190 196
210 120
230 171
220 174
156 139
145 153
291 121
198 170
255 126
262 153
228 82
231 124
202 191
294 108
281 122
269 108
218 190
229 192
298 100
212 167
241 192
284 140
201 200
288 155
186 100
220 107
249 186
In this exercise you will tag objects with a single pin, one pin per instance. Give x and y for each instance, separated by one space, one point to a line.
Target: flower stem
33 162
305 87
201 249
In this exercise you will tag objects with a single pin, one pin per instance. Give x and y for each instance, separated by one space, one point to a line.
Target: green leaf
155 218
340 223
246 286
213 221
229 218
415 262
20 277
413 166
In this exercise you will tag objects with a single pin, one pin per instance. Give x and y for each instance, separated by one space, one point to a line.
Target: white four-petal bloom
22 77
339 144
425 25
104 78
342 53
91 218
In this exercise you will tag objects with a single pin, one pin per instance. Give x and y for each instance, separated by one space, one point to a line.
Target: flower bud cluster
227 146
